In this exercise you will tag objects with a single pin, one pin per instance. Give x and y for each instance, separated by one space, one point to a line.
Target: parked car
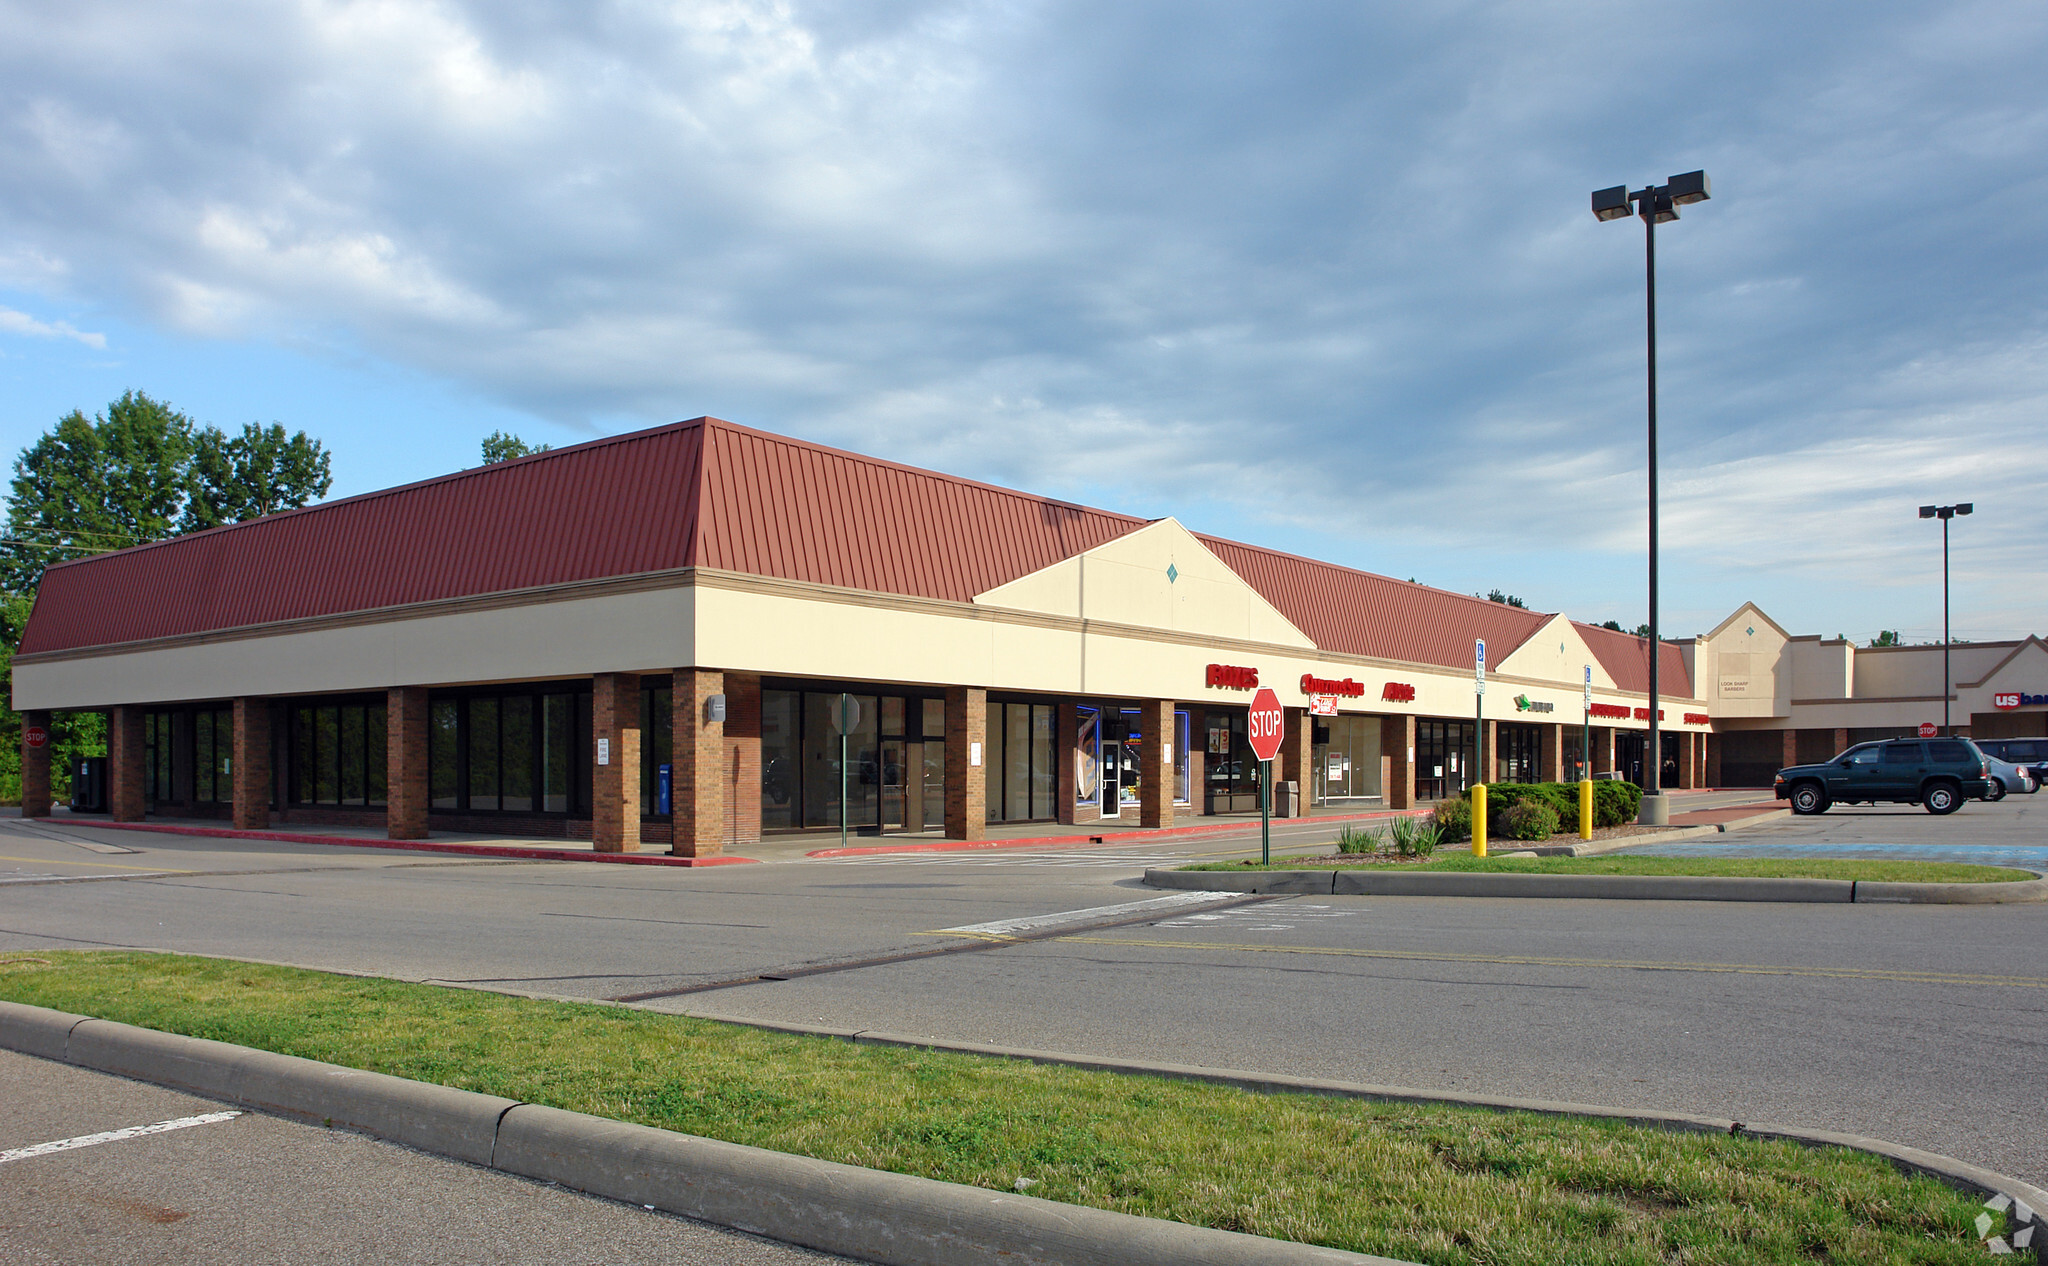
1936 773
2008 777
2029 753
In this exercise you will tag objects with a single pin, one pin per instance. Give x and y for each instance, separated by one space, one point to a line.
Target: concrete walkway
799 846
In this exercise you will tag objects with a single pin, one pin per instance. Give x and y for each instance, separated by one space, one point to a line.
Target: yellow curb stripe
1512 960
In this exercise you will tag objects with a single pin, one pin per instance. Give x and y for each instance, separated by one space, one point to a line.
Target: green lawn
1766 867
1429 1183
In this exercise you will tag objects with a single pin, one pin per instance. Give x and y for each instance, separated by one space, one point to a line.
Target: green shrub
1412 837
1562 798
1453 819
1615 802
1355 839
1528 819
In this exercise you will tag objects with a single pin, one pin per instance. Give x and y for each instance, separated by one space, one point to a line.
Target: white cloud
1323 274
22 323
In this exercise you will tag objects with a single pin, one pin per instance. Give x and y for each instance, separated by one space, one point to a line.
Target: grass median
1738 867
1422 1182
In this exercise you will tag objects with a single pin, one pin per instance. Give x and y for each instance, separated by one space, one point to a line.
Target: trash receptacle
1286 799
89 785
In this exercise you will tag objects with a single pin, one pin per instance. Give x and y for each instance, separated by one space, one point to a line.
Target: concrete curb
864 1213
1364 881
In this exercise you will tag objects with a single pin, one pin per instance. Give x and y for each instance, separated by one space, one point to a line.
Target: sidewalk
820 845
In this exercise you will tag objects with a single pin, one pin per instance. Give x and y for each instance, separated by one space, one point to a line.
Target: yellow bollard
1586 809
1478 819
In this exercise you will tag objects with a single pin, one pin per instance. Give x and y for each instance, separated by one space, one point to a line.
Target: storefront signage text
1347 688
1613 710
1697 718
1524 703
1398 692
1232 677
1643 714
2016 699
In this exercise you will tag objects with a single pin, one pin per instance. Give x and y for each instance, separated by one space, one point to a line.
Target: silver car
2004 777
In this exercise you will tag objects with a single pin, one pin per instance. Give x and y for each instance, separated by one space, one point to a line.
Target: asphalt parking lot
1925 1025
256 1188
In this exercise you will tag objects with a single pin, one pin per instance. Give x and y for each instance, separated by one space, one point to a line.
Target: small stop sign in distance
1264 724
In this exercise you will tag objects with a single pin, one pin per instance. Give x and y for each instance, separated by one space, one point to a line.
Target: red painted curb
1138 836
428 846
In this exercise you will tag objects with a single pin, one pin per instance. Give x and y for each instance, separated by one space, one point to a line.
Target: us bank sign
2018 699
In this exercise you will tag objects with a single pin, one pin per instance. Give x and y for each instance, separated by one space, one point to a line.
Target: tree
1887 637
1505 599
258 472
503 446
95 484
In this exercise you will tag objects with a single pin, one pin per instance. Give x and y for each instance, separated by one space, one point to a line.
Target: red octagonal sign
36 736
1929 729
1265 724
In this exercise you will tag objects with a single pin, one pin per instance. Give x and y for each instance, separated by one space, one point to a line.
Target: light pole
1945 513
1657 204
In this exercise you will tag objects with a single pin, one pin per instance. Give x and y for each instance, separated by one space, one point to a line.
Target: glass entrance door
1444 757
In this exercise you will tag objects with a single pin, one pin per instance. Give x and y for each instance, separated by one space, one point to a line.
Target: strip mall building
525 648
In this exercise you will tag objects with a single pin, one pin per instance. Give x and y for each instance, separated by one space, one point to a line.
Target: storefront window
657 721
337 754
1087 756
1230 769
895 760
505 753
1347 759
213 738
1520 756
1019 761
1443 757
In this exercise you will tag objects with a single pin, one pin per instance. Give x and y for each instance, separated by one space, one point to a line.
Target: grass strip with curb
1431 1183
1714 867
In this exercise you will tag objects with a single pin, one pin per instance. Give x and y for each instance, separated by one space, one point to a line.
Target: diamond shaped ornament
1172 573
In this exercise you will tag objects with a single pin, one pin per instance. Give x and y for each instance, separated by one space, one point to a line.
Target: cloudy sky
1319 276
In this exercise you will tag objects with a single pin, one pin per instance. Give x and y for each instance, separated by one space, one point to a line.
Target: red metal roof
700 493
1626 658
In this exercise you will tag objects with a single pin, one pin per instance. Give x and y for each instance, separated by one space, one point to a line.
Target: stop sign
1264 724
36 736
1928 729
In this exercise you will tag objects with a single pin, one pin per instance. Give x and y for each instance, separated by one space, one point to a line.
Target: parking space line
1009 929
115 1136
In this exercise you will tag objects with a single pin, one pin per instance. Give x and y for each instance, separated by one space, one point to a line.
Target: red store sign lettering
1347 688
1398 692
1232 677
1613 711
1697 718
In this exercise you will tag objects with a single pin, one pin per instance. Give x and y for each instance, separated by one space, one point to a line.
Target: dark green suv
1938 773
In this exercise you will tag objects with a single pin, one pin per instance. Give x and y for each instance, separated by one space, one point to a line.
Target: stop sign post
1264 725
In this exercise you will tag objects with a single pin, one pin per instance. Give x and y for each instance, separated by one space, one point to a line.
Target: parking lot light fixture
1945 513
1657 204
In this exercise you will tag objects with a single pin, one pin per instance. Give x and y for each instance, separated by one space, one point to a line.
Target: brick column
1602 754
615 763
1841 742
1397 759
966 763
1489 768
1297 753
1550 753
35 764
1155 776
124 764
743 760
705 790
1788 748
251 764
1688 754
406 789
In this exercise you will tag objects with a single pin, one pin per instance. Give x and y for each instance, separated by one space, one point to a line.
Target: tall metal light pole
1657 204
1945 513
